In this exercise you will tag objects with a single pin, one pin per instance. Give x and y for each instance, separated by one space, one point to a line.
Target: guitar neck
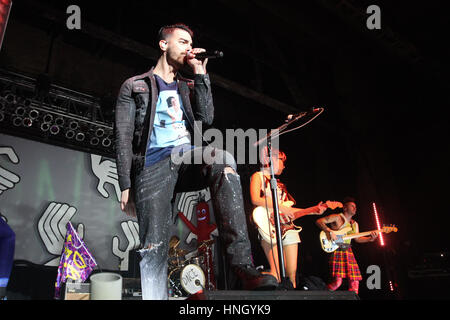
361 234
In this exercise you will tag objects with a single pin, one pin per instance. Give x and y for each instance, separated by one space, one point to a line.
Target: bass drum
185 281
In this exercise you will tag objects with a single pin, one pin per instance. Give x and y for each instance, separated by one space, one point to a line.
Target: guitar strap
265 188
348 223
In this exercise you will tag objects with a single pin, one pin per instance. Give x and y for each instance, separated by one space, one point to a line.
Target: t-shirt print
169 128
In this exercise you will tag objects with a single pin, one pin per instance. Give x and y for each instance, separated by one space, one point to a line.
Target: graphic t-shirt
169 129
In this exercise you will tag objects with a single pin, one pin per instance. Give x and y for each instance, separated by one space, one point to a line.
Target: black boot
228 203
252 279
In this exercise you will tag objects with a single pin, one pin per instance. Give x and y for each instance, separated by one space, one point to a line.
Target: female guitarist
261 197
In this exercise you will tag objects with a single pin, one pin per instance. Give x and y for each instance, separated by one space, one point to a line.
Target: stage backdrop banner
43 187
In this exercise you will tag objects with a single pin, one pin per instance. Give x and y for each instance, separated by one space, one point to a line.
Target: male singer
151 131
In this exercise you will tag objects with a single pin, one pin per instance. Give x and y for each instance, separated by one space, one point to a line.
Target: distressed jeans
155 187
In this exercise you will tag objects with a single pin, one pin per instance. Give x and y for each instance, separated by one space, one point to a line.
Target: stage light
34 114
27 122
10 98
73 125
106 142
17 121
70 134
20 111
378 223
24 110
59 121
94 141
99 132
45 126
48 118
54 129
80 136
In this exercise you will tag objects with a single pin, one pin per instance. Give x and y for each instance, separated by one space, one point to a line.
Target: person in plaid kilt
342 261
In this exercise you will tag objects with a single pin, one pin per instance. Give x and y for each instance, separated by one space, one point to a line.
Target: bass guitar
332 245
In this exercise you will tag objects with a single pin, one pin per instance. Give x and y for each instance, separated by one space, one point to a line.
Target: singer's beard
177 62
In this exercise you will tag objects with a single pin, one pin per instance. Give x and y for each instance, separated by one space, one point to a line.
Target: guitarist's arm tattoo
322 222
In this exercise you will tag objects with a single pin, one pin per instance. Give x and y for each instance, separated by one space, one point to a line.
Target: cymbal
174 242
177 252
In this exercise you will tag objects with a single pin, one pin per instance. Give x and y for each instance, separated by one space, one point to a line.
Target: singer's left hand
198 66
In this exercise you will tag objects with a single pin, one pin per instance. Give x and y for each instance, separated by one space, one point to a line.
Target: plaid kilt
343 265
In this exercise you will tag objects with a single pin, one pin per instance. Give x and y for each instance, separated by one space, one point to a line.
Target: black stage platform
275 295
132 291
35 282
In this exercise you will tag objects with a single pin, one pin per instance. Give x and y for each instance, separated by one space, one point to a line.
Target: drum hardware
206 244
174 242
176 255
198 260
187 276
205 247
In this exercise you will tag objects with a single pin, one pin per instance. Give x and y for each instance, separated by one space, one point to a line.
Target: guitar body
330 245
266 227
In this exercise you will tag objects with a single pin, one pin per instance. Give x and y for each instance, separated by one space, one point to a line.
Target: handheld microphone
209 54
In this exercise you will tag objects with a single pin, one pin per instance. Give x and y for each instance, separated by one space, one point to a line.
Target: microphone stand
286 283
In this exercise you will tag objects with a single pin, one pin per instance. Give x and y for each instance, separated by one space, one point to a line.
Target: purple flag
76 262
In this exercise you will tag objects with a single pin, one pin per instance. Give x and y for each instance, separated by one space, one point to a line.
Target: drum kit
188 276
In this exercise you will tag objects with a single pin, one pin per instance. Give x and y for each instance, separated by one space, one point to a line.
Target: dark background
382 138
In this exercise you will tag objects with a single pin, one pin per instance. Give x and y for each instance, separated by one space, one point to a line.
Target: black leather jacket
135 113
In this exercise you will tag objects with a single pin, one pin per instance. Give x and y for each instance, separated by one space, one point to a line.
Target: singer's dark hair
165 31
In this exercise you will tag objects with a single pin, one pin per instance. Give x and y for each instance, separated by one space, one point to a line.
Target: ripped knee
150 247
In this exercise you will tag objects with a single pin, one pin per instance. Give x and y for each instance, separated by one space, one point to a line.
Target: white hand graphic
52 227
131 230
7 178
106 172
